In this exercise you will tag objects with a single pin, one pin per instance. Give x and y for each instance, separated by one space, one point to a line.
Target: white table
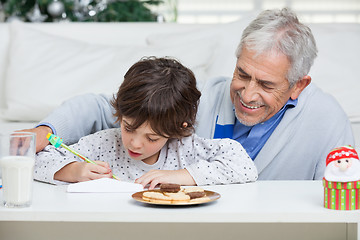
260 210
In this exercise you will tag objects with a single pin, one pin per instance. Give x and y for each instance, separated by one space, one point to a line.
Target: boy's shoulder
196 140
107 133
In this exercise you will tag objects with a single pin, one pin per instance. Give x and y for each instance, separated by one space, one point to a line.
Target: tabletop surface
261 201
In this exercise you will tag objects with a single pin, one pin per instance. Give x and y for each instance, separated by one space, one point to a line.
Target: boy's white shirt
209 161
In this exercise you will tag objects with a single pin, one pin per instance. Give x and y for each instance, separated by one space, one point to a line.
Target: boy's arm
206 162
221 161
49 161
155 177
83 171
58 165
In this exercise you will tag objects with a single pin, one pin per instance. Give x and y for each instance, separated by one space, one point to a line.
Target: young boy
156 106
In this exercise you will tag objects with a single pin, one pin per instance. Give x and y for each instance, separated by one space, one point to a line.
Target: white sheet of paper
104 185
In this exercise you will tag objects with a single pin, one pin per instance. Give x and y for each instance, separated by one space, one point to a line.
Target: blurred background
180 11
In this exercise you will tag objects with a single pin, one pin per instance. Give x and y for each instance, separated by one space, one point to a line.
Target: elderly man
285 123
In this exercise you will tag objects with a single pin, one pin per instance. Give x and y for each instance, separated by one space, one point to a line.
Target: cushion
44 70
229 36
336 69
4 41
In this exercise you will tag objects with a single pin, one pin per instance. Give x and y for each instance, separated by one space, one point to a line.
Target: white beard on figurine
342 165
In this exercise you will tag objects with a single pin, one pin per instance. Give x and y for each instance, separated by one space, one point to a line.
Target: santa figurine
342 165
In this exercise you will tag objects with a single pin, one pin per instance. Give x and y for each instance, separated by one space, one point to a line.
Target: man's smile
256 106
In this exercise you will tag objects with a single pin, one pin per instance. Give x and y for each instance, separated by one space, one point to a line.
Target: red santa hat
340 153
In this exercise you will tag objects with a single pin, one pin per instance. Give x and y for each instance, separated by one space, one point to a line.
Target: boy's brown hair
162 92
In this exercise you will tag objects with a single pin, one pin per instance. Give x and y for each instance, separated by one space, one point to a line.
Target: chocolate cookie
196 194
169 187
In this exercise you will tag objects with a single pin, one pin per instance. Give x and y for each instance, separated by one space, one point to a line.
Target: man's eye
267 87
244 77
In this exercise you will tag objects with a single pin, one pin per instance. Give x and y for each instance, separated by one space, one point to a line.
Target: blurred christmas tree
78 10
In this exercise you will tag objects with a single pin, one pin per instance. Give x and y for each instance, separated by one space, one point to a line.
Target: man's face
259 88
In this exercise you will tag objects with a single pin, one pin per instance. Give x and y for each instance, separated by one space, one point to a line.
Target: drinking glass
17 160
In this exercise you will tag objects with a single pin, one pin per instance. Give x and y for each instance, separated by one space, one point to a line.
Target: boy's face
142 143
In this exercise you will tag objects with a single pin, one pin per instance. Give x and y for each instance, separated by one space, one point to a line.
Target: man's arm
41 132
75 118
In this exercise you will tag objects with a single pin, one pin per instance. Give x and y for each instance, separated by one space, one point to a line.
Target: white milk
17 180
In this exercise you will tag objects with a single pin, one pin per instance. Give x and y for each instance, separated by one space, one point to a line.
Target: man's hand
83 171
41 132
154 177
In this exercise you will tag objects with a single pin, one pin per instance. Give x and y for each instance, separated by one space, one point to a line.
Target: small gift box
341 195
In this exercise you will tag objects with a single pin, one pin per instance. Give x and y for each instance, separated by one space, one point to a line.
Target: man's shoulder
217 82
318 110
214 90
318 102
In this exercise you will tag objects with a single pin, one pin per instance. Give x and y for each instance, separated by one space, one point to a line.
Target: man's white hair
279 31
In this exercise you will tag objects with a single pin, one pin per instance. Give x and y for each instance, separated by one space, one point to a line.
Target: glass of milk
17 160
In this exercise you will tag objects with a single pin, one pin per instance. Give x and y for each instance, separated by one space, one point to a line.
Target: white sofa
41 65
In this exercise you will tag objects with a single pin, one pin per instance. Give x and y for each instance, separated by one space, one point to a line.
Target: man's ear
300 86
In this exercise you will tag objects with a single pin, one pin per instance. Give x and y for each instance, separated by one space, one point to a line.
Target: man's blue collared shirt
253 138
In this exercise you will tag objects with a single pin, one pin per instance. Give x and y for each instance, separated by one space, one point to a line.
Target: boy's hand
83 171
154 177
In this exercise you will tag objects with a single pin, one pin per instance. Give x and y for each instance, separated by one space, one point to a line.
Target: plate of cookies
174 194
